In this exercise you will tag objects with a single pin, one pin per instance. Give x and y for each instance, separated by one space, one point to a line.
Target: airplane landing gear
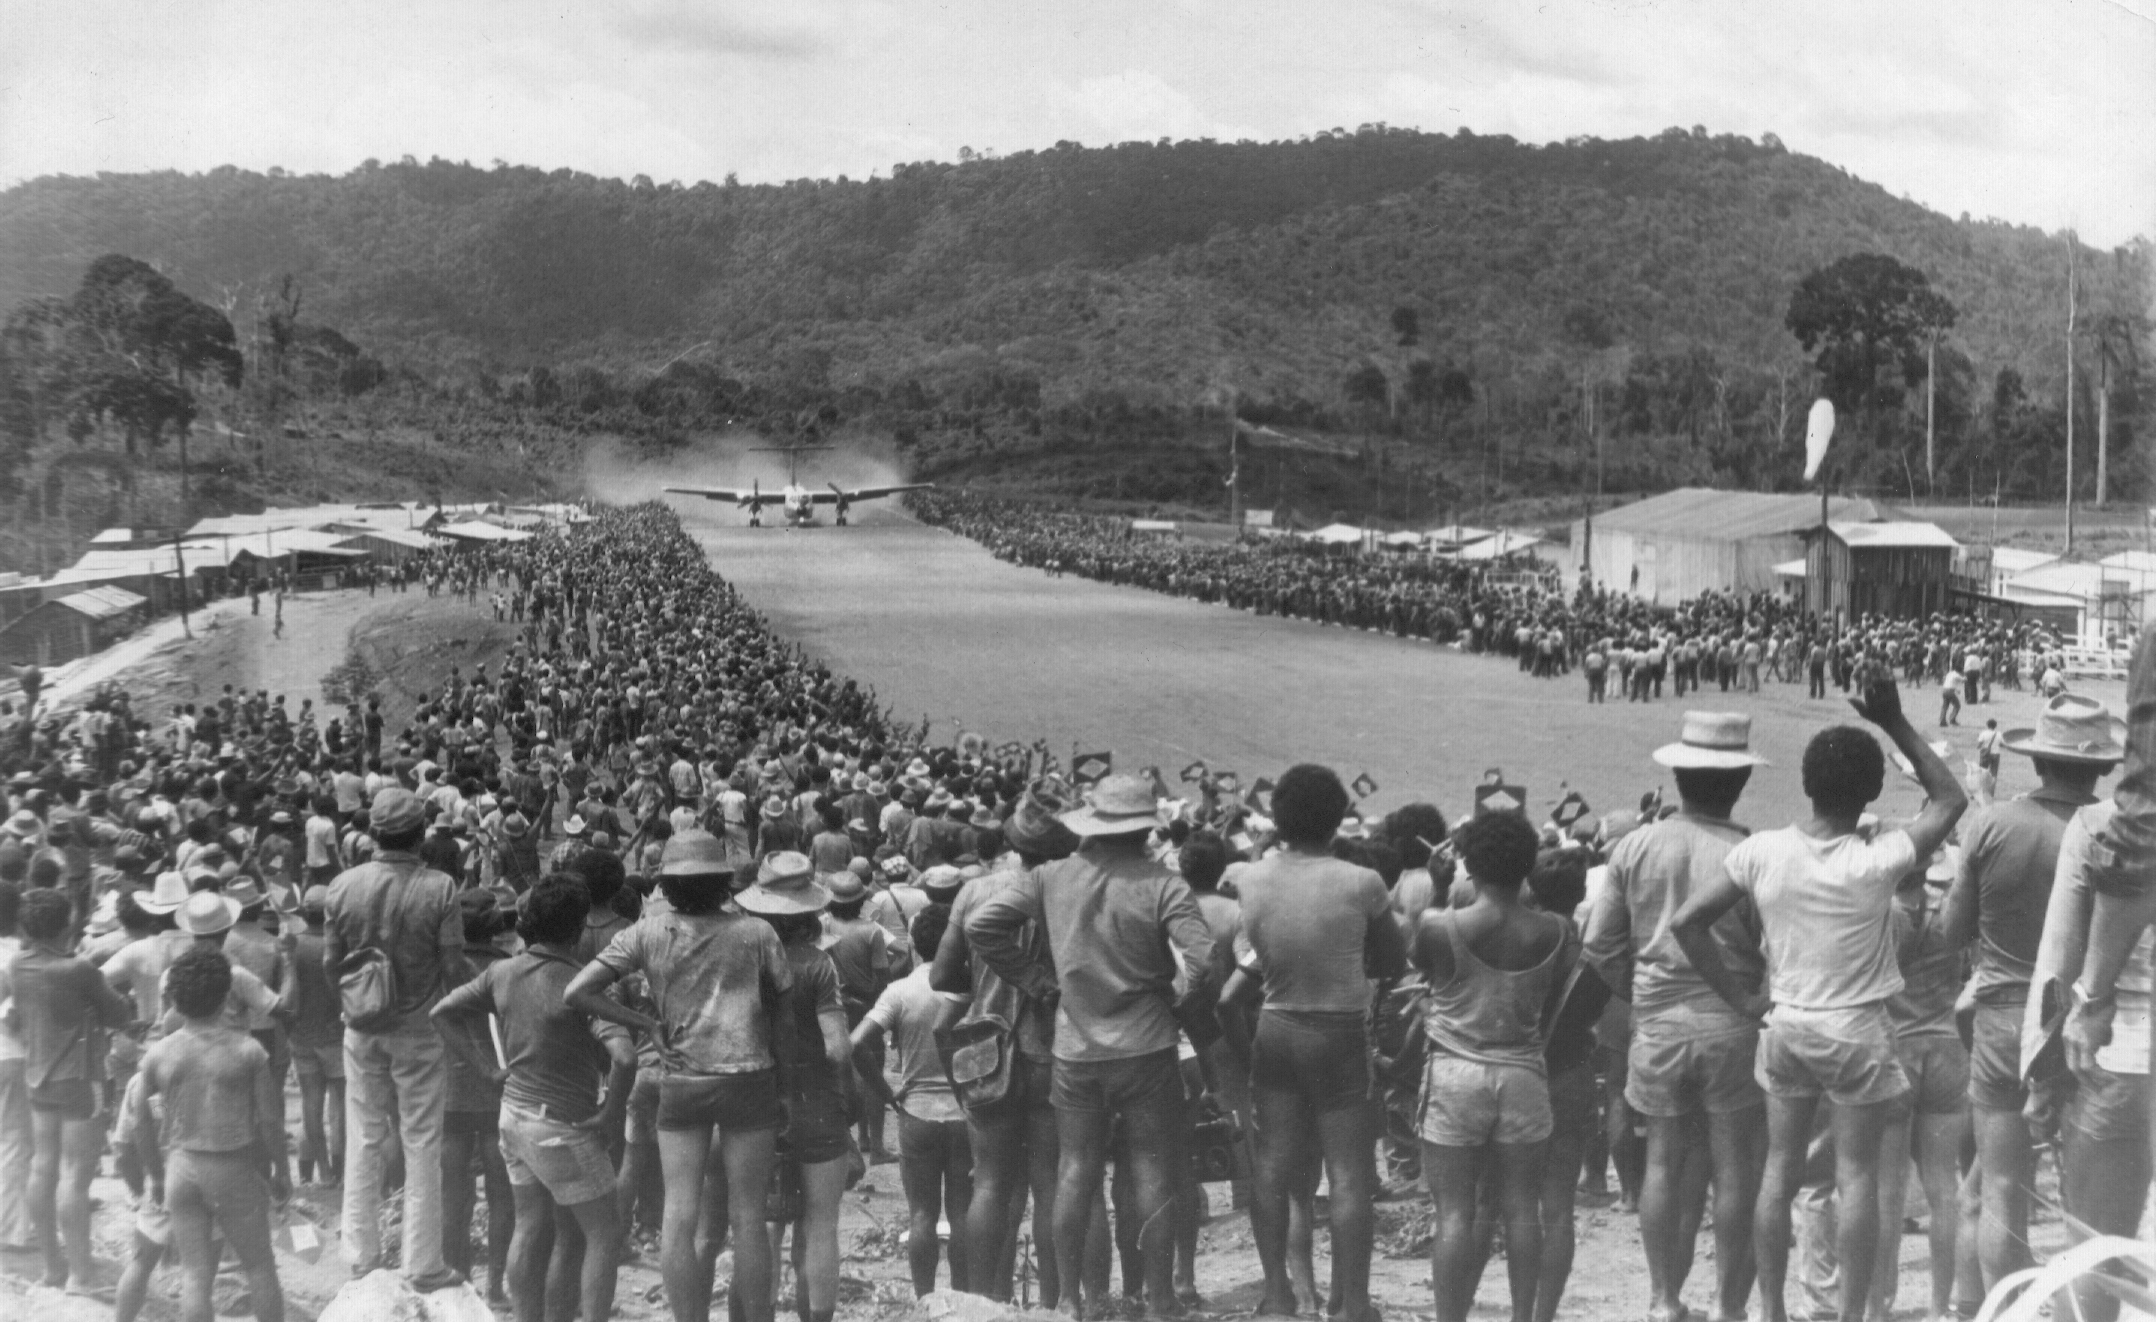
756 520
840 521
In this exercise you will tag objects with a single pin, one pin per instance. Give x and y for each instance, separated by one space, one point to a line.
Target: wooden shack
71 626
1894 570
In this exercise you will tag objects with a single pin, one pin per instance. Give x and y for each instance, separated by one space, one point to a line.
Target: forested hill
1141 277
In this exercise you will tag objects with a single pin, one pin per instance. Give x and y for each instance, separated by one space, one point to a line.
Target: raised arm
1944 797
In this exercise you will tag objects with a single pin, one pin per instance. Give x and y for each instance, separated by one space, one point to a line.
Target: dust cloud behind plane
620 473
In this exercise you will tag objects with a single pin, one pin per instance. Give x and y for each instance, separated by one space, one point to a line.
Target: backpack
366 980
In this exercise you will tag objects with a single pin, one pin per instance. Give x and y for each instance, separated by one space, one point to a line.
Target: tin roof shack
71 626
1896 570
1671 548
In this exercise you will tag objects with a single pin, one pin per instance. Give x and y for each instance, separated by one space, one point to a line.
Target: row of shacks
1868 559
131 575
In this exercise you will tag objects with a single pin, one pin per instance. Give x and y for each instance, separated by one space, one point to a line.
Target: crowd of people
662 925
1520 608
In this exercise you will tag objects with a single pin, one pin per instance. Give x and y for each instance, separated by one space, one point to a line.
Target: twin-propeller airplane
796 503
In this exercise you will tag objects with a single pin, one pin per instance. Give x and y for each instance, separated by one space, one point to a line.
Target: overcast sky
2036 111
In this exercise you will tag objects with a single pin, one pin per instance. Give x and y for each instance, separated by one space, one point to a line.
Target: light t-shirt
1306 918
909 1012
1826 913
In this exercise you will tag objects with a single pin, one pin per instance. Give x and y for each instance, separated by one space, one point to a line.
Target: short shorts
74 1098
733 1103
1675 1069
153 1222
1846 1055
1995 1081
1938 1069
570 1162
2108 1107
324 1061
817 1127
1112 1085
228 1187
1324 1057
1468 1103
643 1125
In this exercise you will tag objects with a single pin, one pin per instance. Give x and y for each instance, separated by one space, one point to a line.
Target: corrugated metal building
1675 546
1896 570
71 626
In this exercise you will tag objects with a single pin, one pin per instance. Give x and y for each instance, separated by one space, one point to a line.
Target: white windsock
1817 432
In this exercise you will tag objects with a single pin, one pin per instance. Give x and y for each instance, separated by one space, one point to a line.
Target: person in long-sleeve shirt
1119 928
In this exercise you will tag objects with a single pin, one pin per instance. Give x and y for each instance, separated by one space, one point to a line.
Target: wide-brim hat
786 883
2071 728
985 818
24 823
940 799
207 913
1033 828
694 853
845 887
514 825
941 882
245 892
167 895
773 809
574 826
1118 805
1712 741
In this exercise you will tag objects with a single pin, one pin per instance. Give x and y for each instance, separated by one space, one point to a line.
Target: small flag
1650 803
1049 763
1260 798
1364 786
1160 787
1193 773
1570 809
1818 430
1091 768
1228 784
1242 842
1496 796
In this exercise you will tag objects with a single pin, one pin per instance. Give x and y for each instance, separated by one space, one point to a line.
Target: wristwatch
2089 998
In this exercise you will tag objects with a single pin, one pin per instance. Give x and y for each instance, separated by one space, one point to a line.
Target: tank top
1492 1015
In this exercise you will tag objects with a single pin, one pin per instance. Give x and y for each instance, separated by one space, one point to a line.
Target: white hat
1712 740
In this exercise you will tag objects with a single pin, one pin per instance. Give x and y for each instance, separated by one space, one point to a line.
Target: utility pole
179 559
2070 392
1235 471
1931 390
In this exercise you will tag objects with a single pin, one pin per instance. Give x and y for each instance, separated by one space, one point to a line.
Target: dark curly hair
1308 804
603 874
927 930
45 913
554 909
1203 857
1498 848
1559 881
1843 769
198 981
1415 830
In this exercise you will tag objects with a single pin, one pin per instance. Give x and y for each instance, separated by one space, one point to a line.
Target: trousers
396 1084
15 1148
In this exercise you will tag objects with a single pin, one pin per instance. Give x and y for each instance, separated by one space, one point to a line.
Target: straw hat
167 895
786 883
2071 728
694 853
1118 805
206 913
1712 741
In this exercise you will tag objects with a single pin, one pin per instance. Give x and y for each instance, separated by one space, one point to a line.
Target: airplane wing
723 493
868 493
